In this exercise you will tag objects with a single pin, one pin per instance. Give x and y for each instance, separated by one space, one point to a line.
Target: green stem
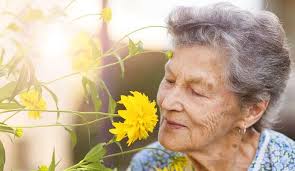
10 116
8 131
134 150
86 15
62 77
76 73
112 53
69 4
108 53
62 111
127 57
128 34
55 125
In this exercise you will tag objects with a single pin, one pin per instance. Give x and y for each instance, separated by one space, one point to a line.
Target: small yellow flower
43 168
106 14
19 132
169 54
140 118
33 101
13 27
84 51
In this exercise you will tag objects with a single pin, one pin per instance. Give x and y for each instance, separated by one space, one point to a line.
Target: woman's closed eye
196 93
170 81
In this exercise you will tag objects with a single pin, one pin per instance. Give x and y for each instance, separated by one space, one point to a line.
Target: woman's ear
254 112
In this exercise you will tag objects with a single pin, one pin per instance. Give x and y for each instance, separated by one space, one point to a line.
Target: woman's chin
171 142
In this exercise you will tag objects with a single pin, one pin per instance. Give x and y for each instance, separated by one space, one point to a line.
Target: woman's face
196 108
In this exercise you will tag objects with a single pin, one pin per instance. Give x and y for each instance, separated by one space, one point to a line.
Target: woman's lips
173 124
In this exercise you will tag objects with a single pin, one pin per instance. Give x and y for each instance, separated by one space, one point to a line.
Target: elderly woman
221 93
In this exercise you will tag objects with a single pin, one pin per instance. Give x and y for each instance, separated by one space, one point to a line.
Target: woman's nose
173 100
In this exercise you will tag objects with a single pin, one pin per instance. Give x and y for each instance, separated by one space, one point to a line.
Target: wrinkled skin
198 112
201 117
193 93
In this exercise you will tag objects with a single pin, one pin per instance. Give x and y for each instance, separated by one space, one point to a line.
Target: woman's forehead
194 76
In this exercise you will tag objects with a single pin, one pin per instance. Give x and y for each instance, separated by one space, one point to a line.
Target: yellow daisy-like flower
106 14
43 168
18 132
32 101
140 118
84 51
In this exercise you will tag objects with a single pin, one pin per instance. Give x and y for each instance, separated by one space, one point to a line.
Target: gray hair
254 43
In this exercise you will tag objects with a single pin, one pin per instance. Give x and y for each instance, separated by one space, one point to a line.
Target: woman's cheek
161 94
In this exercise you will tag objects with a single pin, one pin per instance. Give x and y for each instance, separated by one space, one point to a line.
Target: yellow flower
177 163
42 168
32 15
163 169
19 132
140 118
84 51
106 14
33 101
169 54
13 27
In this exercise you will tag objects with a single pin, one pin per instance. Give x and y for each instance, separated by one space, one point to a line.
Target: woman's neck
235 151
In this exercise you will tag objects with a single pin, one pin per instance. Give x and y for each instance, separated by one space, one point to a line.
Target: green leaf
2 156
95 96
84 84
17 59
139 46
5 128
10 106
95 47
132 48
52 164
32 80
7 90
112 103
96 153
13 63
54 97
21 82
3 70
73 136
91 89
121 64
38 88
